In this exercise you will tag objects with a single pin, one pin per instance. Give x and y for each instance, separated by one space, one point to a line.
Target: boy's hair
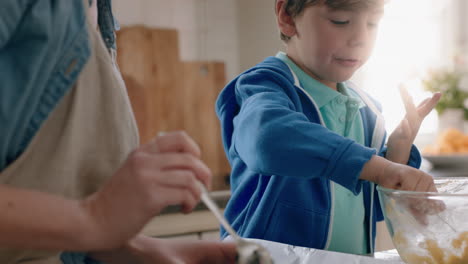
295 8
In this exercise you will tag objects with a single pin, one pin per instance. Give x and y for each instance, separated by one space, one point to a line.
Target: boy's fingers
411 111
424 102
419 216
427 105
406 128
407 100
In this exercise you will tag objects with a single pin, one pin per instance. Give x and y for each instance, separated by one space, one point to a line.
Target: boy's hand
396 176
406 178
400 141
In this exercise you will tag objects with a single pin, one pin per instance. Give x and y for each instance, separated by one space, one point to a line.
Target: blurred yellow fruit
450 141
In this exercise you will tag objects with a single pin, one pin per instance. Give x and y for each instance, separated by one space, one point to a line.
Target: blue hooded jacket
285 161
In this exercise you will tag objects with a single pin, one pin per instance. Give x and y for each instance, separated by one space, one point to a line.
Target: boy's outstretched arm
393 175
401 140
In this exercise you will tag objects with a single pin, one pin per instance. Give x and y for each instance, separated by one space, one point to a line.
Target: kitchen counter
287 254
451 170
172 223
390 255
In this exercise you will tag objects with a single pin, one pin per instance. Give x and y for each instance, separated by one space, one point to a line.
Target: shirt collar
351 94
321 93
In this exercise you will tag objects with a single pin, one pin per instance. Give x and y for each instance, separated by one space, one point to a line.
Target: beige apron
81 144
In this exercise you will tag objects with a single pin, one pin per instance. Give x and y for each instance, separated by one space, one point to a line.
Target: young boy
306 147
72 174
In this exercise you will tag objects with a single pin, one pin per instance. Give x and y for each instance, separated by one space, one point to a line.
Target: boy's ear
285 22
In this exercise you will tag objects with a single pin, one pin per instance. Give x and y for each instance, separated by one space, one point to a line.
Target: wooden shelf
181 224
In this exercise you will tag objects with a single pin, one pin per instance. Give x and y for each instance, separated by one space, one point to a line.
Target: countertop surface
287 254
451 170
390 255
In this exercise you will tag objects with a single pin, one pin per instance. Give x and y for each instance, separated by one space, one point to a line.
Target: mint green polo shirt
340 112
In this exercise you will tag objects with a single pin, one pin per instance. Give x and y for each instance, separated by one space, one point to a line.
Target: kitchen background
176 56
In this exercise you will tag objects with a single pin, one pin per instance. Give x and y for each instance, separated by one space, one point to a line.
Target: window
414 35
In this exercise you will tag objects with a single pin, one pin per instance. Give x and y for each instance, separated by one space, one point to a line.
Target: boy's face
331 44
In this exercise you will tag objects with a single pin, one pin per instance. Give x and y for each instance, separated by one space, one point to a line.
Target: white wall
207 28
258 34
239 33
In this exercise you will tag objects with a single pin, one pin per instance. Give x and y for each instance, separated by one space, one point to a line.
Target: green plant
448 82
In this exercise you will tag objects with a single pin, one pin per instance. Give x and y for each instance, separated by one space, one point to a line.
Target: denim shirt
43 48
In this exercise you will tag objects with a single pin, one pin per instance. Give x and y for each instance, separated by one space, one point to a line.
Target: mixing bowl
429 228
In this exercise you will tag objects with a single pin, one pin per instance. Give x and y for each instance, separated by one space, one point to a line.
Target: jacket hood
227 106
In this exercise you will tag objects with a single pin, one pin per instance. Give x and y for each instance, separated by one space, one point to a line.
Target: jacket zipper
331 183
370 220
376 143
376 133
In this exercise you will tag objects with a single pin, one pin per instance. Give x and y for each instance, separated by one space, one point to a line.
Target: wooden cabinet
168 94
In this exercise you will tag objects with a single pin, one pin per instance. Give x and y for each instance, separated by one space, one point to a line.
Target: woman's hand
161 173
146 250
